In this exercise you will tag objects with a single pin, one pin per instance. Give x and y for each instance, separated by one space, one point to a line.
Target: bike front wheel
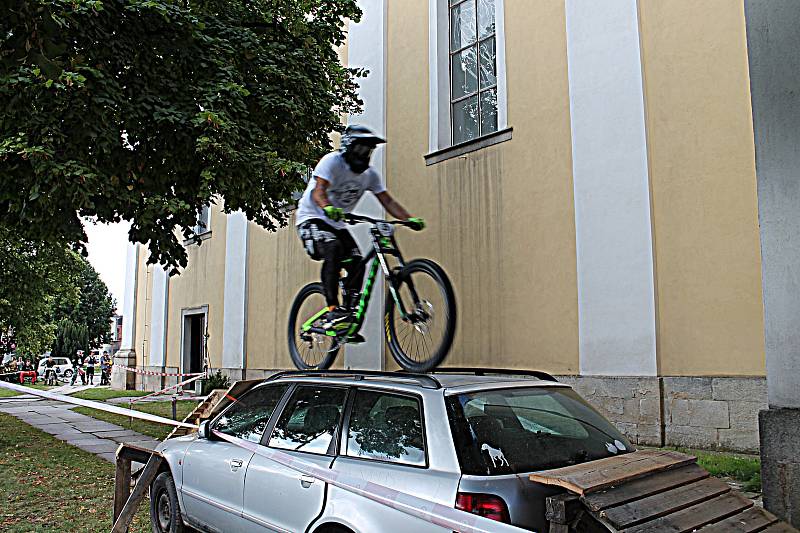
310 351
421 334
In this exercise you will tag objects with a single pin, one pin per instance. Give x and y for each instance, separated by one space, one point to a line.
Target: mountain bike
419 314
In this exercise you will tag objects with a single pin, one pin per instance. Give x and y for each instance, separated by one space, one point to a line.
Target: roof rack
544 376
426 381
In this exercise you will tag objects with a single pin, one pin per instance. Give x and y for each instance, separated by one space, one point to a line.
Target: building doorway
193 341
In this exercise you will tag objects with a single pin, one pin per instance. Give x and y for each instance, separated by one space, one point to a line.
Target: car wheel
67 374
165 513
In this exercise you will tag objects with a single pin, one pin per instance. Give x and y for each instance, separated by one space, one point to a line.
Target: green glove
334 213
415 223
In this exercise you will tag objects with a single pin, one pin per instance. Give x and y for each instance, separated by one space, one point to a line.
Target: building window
203 221
467 73
473 69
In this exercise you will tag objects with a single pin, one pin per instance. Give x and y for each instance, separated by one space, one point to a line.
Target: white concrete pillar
366 47
616 294
158 317
129 298
234 318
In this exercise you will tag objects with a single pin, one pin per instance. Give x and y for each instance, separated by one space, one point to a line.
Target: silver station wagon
463 438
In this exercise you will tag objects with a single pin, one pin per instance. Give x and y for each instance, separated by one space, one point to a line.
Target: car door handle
235 464
306 481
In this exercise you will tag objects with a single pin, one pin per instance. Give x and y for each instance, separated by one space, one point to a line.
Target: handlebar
355 219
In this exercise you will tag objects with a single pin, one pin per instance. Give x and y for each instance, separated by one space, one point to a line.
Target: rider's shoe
356 338
339 320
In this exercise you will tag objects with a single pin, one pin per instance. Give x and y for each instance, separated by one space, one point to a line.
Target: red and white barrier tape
435 513
151 373
162 391
95 405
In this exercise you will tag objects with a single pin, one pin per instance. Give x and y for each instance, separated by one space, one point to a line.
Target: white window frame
440 124
200 230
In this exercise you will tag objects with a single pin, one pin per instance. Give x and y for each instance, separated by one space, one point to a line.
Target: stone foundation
780 462
698 412
122 379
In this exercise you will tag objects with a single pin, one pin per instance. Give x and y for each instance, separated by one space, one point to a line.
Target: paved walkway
87 433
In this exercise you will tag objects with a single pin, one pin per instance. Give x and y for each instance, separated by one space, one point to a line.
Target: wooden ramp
650 491
199 413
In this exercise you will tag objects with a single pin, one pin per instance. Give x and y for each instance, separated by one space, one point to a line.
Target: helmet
358 142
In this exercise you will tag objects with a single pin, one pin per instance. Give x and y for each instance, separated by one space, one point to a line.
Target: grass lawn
6 393
48 485
153 429
102 395
743 468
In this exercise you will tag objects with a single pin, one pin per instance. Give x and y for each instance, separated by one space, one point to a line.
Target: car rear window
527 429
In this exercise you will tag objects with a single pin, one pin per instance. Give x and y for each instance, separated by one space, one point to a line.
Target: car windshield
527 429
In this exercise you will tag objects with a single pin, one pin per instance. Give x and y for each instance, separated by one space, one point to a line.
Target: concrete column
234 318
773 37
367 48
126 355
616 294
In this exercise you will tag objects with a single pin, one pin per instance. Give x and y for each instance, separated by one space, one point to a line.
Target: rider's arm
392 206
320 192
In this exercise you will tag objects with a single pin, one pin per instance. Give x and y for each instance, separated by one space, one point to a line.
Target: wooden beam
603 473
122 485
561 508
122 522
750 521
696 516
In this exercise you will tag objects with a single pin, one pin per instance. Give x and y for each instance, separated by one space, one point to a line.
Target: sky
107 248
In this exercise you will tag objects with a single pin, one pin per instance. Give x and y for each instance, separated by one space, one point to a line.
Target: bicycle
420 303
50 377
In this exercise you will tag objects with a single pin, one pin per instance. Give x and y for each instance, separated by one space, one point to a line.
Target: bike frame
383 245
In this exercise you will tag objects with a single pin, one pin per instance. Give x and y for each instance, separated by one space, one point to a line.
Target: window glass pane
464 73
387 428
309 421
248 417
485 18
488 111
465 120
488 63
462 25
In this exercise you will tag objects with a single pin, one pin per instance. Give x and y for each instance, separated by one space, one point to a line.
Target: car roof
450 381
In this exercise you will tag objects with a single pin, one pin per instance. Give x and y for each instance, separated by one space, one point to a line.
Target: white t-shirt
345 189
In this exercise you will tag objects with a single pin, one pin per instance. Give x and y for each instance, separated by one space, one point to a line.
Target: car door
214 470
280 498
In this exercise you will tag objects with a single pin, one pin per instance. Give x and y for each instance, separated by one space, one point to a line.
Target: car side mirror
204 431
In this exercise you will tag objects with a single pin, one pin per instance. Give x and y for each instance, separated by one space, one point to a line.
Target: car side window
386 427
309 421
248 417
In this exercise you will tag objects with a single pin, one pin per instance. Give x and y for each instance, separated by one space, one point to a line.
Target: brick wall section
698 412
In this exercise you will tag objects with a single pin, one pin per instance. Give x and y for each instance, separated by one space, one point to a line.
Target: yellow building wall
202 282
501 220
702 172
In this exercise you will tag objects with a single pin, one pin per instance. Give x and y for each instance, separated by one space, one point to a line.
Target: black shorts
323 241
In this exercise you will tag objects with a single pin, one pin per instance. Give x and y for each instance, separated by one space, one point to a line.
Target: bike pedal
355 339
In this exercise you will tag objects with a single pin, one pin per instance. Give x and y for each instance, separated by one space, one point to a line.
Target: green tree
69 338
146 110
90 312
32 276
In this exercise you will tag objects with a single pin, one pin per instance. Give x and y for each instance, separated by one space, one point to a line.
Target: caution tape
96 405
433 512
162 391
152 373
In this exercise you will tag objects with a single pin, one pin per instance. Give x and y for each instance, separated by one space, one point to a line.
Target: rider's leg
352 263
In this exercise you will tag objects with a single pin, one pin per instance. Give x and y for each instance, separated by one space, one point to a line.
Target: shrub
217 381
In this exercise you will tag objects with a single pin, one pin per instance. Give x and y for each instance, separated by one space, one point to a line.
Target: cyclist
49 371
337 183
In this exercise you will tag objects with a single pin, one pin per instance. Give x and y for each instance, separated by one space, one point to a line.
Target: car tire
67 374
165 511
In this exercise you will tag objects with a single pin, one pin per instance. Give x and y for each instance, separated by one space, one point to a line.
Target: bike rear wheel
421 340
310 351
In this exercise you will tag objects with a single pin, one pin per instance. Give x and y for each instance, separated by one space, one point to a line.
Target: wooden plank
696 516
132 452
126 515
750 521
603 473
122 485
561 508
642 487
664 503
780 527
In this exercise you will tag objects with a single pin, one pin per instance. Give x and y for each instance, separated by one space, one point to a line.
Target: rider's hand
415 223
334 213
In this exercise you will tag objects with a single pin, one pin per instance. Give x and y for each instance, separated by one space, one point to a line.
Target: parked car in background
462 438
63 367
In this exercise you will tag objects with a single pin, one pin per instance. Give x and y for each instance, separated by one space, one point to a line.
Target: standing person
337 183
90 361
77 368
105 368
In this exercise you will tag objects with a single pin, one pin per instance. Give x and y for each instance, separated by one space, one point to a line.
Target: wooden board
664 503
696 516
603 473
780 527
643 487
122 521
750 521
